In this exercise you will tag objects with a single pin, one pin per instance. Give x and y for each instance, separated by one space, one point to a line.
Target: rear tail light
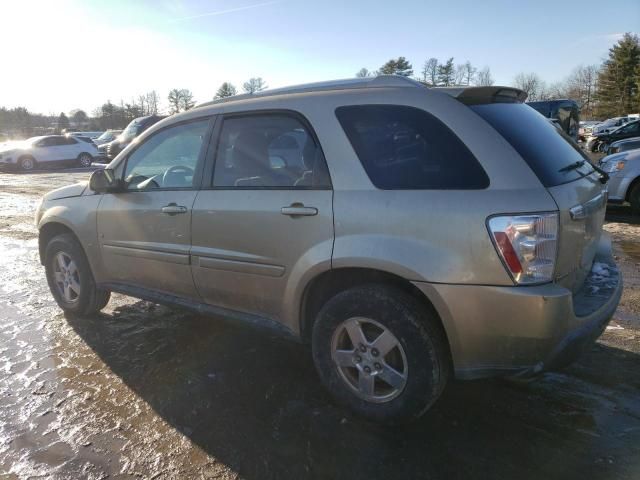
527 245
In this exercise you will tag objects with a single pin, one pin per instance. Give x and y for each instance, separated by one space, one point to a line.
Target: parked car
623 145
136 127
416 234
610 125
107 136
585 129
624 186
47 150
91 135
83 139
601 141
565 113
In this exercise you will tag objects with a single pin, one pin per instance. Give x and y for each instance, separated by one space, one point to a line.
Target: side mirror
103 181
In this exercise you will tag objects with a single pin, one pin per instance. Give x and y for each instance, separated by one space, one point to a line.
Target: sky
69 54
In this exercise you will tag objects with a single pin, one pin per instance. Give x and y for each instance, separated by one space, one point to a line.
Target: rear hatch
566 173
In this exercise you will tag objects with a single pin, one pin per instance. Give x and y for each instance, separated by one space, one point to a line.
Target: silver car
408 234
624 186
632 143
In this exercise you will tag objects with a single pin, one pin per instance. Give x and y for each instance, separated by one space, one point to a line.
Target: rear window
405 148
545 148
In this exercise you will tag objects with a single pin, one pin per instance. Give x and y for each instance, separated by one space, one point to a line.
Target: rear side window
405 148
546 149
268 151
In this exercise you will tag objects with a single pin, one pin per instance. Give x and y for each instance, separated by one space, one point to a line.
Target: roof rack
380 81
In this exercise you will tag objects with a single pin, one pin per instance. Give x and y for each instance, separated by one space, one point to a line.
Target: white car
50 149
91 135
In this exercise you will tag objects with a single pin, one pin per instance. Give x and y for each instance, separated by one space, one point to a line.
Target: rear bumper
522 331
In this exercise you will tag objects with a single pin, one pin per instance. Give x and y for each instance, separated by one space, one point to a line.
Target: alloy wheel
27 163
66 277
369 359
85 160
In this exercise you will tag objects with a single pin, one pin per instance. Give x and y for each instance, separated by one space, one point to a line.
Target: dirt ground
142 391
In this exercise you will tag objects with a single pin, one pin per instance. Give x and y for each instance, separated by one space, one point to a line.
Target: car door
46 150
70 148
145 230
266 218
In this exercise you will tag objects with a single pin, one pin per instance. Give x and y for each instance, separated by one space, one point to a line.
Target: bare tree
484 78
253 85
363 72
459 74
531 84
430 71
186 100
581 86
469 73
180 100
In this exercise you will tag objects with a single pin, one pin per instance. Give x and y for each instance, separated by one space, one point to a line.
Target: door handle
299 210
174 209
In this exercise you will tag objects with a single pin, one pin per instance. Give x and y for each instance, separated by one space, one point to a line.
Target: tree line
601 91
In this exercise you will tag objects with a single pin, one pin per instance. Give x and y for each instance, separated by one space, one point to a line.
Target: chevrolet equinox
408 234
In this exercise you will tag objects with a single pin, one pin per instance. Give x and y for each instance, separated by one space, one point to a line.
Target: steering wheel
181 169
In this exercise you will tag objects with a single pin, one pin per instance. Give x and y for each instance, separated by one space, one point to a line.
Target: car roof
463 93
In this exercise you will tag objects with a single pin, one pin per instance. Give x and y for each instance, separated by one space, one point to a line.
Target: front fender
79 215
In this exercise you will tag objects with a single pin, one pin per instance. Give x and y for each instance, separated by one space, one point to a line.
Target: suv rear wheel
70 279
380 352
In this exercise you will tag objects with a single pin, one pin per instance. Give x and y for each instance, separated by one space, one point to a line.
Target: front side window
167 159
269 151
404 148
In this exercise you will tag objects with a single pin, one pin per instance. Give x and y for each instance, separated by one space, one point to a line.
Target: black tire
91 299
595 146
634 199
84 159
27 163
416 329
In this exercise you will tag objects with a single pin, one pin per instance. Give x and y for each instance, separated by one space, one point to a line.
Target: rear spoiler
482 95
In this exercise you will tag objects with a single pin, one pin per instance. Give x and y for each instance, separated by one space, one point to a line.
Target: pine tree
446 73
226 90
619 79
63 121
398 66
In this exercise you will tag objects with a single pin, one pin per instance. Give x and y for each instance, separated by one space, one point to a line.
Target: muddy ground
142 391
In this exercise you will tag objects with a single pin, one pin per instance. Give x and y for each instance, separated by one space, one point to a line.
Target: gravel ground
143 391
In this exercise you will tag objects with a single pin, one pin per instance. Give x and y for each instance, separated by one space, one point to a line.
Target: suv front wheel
381 352
70 278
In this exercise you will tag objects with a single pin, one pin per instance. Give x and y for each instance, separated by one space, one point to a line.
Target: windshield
130 132
106 136
545 148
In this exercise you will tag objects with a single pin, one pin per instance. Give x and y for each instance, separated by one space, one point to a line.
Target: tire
84 297
27 163
419 356
634 199
84 160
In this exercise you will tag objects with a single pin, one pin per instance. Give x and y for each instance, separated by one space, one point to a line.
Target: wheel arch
632 185
328 283
48 231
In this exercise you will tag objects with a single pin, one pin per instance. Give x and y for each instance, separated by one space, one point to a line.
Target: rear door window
546 149
269 151
405 148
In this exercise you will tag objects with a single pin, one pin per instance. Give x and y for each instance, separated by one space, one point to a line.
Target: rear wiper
572 166
604 176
